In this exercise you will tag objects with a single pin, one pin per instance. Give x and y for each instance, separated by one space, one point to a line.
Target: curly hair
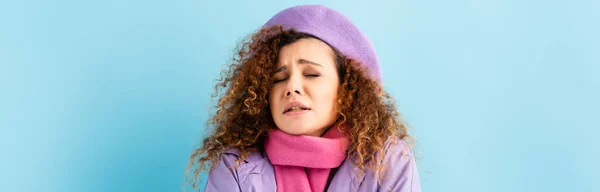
242 118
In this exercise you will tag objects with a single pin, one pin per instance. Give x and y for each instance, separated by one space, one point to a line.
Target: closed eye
278 80
308 75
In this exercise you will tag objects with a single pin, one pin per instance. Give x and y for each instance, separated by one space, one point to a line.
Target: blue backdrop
112 95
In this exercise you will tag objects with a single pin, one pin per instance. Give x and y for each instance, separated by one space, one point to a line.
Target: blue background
113 95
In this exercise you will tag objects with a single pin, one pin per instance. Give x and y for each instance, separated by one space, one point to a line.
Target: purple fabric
256 173
333 28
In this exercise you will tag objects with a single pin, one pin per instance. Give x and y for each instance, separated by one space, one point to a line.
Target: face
304 93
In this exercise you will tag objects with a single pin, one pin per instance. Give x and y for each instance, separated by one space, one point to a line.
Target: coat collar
258 163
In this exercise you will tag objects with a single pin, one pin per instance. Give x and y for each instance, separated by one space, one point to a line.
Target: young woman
302 108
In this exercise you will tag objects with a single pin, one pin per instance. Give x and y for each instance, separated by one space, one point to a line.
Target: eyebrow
300 61
304 61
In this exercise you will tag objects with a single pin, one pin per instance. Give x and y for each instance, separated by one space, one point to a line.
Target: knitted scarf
303 163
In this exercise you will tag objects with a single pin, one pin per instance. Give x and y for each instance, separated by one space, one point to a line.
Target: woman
302 109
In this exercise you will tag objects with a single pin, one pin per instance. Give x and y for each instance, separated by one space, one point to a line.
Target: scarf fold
303 163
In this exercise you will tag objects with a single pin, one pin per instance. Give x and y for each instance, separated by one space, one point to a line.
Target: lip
295 104
296 113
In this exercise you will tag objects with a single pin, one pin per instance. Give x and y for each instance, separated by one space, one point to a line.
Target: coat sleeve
223 177
401 174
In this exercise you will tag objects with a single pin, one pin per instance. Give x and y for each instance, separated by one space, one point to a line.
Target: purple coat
256 173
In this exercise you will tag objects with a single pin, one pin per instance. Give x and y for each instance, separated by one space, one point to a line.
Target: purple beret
333 28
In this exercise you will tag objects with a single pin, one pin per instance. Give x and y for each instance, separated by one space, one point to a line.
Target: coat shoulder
230 172
400 172
396 147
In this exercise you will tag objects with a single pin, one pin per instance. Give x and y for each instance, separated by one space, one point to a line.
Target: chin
296 130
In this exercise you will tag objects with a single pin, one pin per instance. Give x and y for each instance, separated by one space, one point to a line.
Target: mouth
295 108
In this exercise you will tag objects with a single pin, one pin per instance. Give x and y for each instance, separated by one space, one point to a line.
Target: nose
289 93
294 86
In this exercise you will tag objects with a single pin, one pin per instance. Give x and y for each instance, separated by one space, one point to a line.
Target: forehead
306 48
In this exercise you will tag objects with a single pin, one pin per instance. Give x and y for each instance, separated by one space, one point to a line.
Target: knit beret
333 28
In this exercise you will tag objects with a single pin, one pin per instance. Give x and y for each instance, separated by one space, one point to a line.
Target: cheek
273 95
326 96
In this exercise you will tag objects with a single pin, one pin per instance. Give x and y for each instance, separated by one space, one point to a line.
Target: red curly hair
243 118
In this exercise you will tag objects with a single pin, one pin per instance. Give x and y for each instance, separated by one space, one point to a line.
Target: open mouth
292 109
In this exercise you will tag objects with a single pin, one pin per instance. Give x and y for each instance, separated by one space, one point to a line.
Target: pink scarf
302 163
